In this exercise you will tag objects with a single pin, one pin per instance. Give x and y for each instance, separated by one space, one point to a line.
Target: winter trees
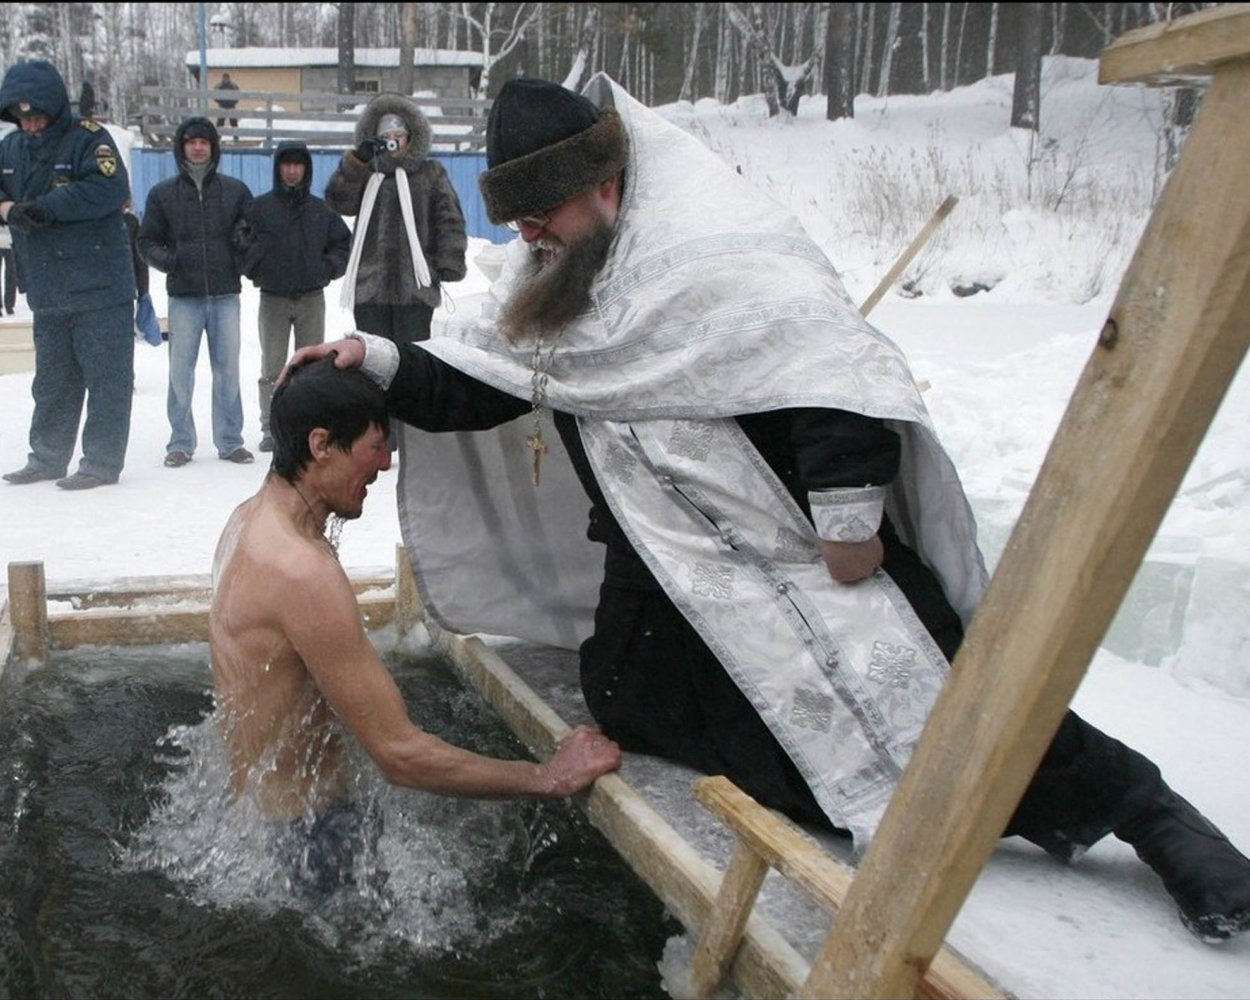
661 52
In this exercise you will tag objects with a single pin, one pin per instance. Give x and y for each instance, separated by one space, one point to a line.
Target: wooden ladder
1175 336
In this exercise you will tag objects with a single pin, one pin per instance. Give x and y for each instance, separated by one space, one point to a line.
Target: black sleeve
432 395
837 448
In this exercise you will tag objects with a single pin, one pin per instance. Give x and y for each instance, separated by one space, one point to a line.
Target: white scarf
420 271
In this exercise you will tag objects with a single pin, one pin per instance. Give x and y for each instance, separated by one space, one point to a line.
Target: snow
1048 226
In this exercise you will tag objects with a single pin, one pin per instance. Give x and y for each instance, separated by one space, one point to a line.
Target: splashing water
131 869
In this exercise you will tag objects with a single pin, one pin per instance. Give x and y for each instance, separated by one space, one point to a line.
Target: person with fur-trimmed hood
409 233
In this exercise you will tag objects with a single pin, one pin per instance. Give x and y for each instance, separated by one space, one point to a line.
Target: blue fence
254 167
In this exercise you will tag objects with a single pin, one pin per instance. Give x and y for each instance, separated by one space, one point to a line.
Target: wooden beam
922 237
800 860
723 930
154 626
28 609
766 964
1178 52
1177 332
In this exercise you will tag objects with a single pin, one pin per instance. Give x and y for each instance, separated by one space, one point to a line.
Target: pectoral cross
538 446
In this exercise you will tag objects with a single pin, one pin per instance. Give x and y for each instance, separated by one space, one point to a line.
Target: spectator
86 100
62 186
297 247
7 266
226 84
193 229
393 277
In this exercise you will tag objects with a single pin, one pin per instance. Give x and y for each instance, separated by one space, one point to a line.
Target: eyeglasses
539 220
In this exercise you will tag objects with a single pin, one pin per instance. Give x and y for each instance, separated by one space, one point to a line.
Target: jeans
83 355
278 315
218 316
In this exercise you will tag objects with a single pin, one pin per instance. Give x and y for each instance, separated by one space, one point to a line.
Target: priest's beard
558 289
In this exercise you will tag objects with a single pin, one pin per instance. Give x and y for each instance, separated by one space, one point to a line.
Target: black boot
1205 874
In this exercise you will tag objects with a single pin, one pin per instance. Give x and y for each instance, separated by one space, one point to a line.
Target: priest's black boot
1205 874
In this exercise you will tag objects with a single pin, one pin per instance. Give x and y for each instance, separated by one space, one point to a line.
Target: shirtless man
291 661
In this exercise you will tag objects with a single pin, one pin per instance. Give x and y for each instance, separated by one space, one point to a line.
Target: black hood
39 84
202 124
290 149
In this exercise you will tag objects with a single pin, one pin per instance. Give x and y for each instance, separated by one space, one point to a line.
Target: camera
392 145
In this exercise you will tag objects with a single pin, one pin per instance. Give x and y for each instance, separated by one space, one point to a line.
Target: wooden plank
722 933
29 610
164 590
8 639
1177 333
798 858
905 258
154 626
1180 51
766 964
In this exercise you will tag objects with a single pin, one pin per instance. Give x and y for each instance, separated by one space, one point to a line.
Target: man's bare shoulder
264 562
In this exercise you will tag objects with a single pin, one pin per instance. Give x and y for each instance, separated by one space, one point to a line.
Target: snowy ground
1172 678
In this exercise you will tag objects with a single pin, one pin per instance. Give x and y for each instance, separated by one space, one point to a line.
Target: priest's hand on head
348 353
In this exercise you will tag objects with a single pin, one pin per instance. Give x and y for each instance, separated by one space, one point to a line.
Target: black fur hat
545 144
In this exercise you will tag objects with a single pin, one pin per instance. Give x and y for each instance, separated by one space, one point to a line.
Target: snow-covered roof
267 58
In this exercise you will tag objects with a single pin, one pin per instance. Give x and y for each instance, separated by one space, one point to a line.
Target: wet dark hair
345 402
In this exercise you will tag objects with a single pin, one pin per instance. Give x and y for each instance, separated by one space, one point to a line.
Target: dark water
125 871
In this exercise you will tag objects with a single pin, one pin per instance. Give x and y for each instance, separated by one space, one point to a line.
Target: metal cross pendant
538 446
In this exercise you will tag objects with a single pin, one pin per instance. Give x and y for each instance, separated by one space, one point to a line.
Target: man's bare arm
324 627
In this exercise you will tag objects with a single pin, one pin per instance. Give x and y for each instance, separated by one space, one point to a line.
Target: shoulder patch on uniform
106 159
89 125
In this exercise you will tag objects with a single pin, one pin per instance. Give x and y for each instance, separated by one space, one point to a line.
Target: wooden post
28 605
723 932
922 237
1176 334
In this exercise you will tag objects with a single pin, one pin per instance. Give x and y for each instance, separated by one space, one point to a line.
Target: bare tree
783 85
495 42
692 60
347 48
992 43
887 49
579 71
1026 98
407 43
840 62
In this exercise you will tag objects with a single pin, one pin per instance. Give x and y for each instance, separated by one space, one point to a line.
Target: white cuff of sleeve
381 358
847 515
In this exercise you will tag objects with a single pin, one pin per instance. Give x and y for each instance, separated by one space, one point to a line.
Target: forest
661 52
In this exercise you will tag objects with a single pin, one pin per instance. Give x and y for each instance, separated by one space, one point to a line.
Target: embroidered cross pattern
692 439
711 580
812 710
891 664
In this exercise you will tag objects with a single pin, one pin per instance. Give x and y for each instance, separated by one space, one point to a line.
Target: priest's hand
348 353
849 562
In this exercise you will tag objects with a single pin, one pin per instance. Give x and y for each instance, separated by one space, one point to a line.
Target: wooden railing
320 119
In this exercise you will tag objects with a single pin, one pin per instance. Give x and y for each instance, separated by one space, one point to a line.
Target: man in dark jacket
392 282
62 186
192 230
296 247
